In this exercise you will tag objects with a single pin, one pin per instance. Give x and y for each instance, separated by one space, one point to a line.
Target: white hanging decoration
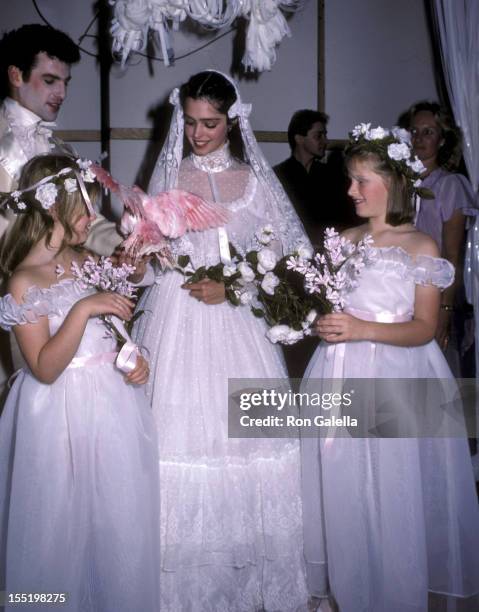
134 19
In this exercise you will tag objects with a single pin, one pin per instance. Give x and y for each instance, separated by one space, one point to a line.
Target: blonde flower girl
78 451
388 519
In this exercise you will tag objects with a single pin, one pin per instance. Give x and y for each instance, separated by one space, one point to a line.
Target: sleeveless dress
231 525
78 474
389 519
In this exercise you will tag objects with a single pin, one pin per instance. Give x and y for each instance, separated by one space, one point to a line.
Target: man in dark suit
317 189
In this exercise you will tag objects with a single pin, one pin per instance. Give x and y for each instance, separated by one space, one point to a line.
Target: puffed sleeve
37 303
435 271
454 193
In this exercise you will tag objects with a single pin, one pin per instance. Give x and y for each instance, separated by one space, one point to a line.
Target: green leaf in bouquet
136 316
234 253
183 260
257 312
198 275
231 281
232 297
252 257
214 273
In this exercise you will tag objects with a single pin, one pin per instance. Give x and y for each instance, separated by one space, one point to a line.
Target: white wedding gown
231 525
389 519
78 475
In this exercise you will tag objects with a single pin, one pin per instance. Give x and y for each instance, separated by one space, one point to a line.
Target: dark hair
35 222
301 123
211 86
449 154
400 206
220 93
20 48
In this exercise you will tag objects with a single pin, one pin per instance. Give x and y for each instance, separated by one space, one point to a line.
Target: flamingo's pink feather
177 211
148 220
105 178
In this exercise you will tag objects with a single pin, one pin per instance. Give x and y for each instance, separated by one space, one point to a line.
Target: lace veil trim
279 208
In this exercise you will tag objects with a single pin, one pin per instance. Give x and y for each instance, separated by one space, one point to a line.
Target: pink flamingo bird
149 221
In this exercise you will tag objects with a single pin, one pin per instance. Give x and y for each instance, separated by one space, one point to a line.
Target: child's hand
140 268
120 257
141 373
443 329
105 303
339 327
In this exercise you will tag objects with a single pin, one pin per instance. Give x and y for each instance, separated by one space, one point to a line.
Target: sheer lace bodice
239 191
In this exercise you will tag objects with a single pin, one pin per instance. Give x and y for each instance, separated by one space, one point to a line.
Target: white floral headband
46 190
394 147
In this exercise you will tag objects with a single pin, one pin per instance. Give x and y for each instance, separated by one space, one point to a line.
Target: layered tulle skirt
79 491
231 521
388 519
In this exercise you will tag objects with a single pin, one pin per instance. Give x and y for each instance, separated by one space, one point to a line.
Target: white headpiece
279 208
47 188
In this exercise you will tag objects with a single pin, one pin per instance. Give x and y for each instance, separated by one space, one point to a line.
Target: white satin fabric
78 475
388 520
231 524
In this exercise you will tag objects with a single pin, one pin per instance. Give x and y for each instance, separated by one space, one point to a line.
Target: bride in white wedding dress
231 523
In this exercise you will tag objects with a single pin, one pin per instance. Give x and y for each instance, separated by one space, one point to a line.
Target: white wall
275 95
377 61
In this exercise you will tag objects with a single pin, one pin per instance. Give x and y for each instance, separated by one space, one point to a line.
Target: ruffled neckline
50 301
423 269
19 115
216 161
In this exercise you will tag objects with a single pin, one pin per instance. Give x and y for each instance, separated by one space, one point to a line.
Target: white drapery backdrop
457 23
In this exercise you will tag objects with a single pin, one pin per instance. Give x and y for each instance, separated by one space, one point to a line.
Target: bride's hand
207 291
339 327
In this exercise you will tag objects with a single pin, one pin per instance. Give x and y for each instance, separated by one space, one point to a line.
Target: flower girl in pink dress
388 519
78 454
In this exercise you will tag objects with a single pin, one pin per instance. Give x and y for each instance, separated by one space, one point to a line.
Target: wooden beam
146 134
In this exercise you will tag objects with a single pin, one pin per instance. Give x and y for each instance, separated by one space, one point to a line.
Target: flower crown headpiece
394 147
46 190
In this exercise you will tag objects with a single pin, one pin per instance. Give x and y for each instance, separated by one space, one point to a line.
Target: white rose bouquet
291 291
